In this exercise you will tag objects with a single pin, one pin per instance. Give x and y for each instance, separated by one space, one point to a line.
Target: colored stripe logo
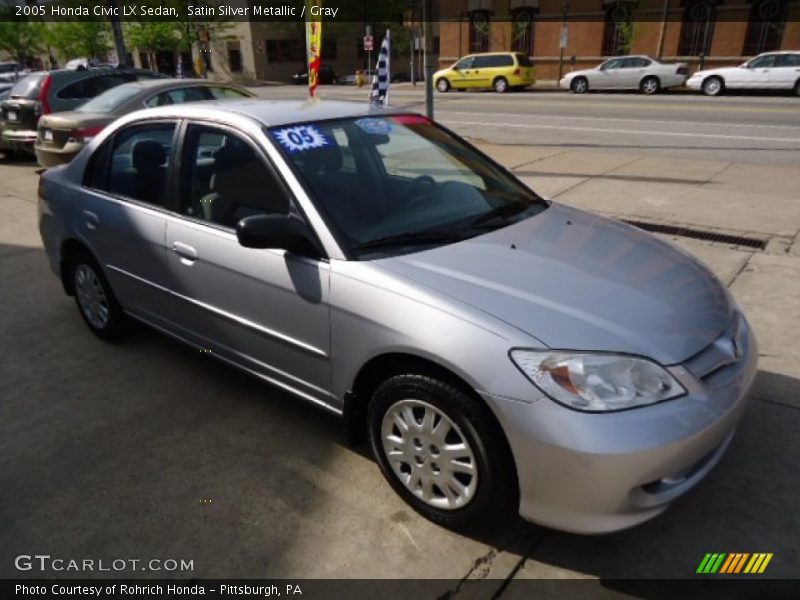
734 563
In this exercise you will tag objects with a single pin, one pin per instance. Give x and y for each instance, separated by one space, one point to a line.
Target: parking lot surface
148 449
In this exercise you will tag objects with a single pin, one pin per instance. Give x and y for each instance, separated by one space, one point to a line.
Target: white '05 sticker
301 137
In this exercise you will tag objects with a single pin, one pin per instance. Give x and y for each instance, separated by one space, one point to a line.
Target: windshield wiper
501 212
411 239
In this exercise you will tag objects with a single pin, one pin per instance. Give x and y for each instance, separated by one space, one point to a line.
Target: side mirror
278 232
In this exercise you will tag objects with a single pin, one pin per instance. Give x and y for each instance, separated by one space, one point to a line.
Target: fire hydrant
359 78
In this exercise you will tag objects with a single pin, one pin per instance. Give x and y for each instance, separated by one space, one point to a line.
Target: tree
80 38
20 39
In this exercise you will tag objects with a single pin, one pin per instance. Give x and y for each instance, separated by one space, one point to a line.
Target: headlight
597 382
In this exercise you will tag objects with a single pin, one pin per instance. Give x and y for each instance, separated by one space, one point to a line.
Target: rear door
786 72
123 218
266 310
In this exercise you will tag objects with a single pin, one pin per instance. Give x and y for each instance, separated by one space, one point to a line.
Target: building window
765 26
479 31
281 51
618 29
699 17
234 58
522 31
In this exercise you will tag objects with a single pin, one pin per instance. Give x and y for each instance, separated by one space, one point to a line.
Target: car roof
271 112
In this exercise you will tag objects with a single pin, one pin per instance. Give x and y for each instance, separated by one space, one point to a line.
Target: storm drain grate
700 234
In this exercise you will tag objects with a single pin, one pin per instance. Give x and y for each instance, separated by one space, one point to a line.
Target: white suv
768 71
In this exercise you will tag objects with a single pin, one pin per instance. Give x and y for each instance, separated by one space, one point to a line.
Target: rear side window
788 60
524 60
92 86
28 87
137 163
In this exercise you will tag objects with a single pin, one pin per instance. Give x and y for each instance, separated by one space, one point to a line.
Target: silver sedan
501 352
627 73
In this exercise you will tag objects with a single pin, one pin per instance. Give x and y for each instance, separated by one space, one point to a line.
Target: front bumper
598 473
694 83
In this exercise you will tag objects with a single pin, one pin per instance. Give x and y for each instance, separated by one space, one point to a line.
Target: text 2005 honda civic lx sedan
501 352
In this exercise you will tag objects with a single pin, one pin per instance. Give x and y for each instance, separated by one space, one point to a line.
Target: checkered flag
380 80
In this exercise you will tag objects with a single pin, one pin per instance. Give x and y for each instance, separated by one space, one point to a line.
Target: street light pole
427 15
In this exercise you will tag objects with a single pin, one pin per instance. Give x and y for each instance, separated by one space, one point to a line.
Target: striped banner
734 563
313 46
379 94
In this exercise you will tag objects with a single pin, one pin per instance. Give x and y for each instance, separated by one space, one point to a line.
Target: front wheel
579 85
500 85
713 86
443 85
96 302
442 451
650 86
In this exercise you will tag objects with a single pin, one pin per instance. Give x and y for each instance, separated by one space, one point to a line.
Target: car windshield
396 184
110 100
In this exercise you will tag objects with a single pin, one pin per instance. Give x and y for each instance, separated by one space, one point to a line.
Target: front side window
225 179
465 63
179 96
391 185
615 63
139 163
762 62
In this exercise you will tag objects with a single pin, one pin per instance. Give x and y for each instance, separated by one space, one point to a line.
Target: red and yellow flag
313 44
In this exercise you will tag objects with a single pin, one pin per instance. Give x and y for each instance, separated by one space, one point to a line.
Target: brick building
716 32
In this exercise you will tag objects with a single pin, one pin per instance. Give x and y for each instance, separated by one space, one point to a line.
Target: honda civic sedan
501 353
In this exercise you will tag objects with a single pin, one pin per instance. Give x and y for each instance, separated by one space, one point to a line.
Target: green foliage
20 39
79 38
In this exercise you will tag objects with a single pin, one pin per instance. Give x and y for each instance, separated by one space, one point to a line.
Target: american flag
380 80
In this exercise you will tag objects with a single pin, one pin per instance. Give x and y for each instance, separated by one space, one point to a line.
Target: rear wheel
713 86
442 85
650 85
579 85
96 302
500 85
442 451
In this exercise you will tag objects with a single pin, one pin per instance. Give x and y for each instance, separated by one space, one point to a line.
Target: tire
797 88
96 302
713 86
579 85
443 85
488 488
650 85
500 85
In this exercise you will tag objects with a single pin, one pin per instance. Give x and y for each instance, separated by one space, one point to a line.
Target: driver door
264 310
610 76
463 73
757 73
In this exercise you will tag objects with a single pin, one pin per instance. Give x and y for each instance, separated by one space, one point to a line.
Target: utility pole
563 41
663 29
427 15
119 39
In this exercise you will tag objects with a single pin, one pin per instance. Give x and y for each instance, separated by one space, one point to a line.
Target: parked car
11 71
62 135
498 71
44 92
642 73
768 71
350 78
501 352
327 76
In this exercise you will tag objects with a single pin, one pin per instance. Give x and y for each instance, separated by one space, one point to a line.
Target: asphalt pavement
147 450
751 128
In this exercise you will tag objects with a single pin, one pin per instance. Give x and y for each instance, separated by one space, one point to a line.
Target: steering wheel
422 188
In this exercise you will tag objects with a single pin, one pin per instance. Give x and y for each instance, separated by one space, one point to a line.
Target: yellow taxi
498 71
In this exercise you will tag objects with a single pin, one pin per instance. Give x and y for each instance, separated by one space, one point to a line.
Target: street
146 449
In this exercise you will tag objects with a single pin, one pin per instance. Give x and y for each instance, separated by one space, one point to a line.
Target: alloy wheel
429 454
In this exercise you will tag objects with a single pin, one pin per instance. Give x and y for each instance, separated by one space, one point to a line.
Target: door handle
187 253
92 220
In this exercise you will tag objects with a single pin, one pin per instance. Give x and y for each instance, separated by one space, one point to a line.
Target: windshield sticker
300 138
375 126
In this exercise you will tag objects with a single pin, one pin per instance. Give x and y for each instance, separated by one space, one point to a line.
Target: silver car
501 352
642 73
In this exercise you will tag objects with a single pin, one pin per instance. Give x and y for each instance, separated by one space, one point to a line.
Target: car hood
722 71
581 72
574 280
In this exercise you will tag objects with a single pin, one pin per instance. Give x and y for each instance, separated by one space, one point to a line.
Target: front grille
718 362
